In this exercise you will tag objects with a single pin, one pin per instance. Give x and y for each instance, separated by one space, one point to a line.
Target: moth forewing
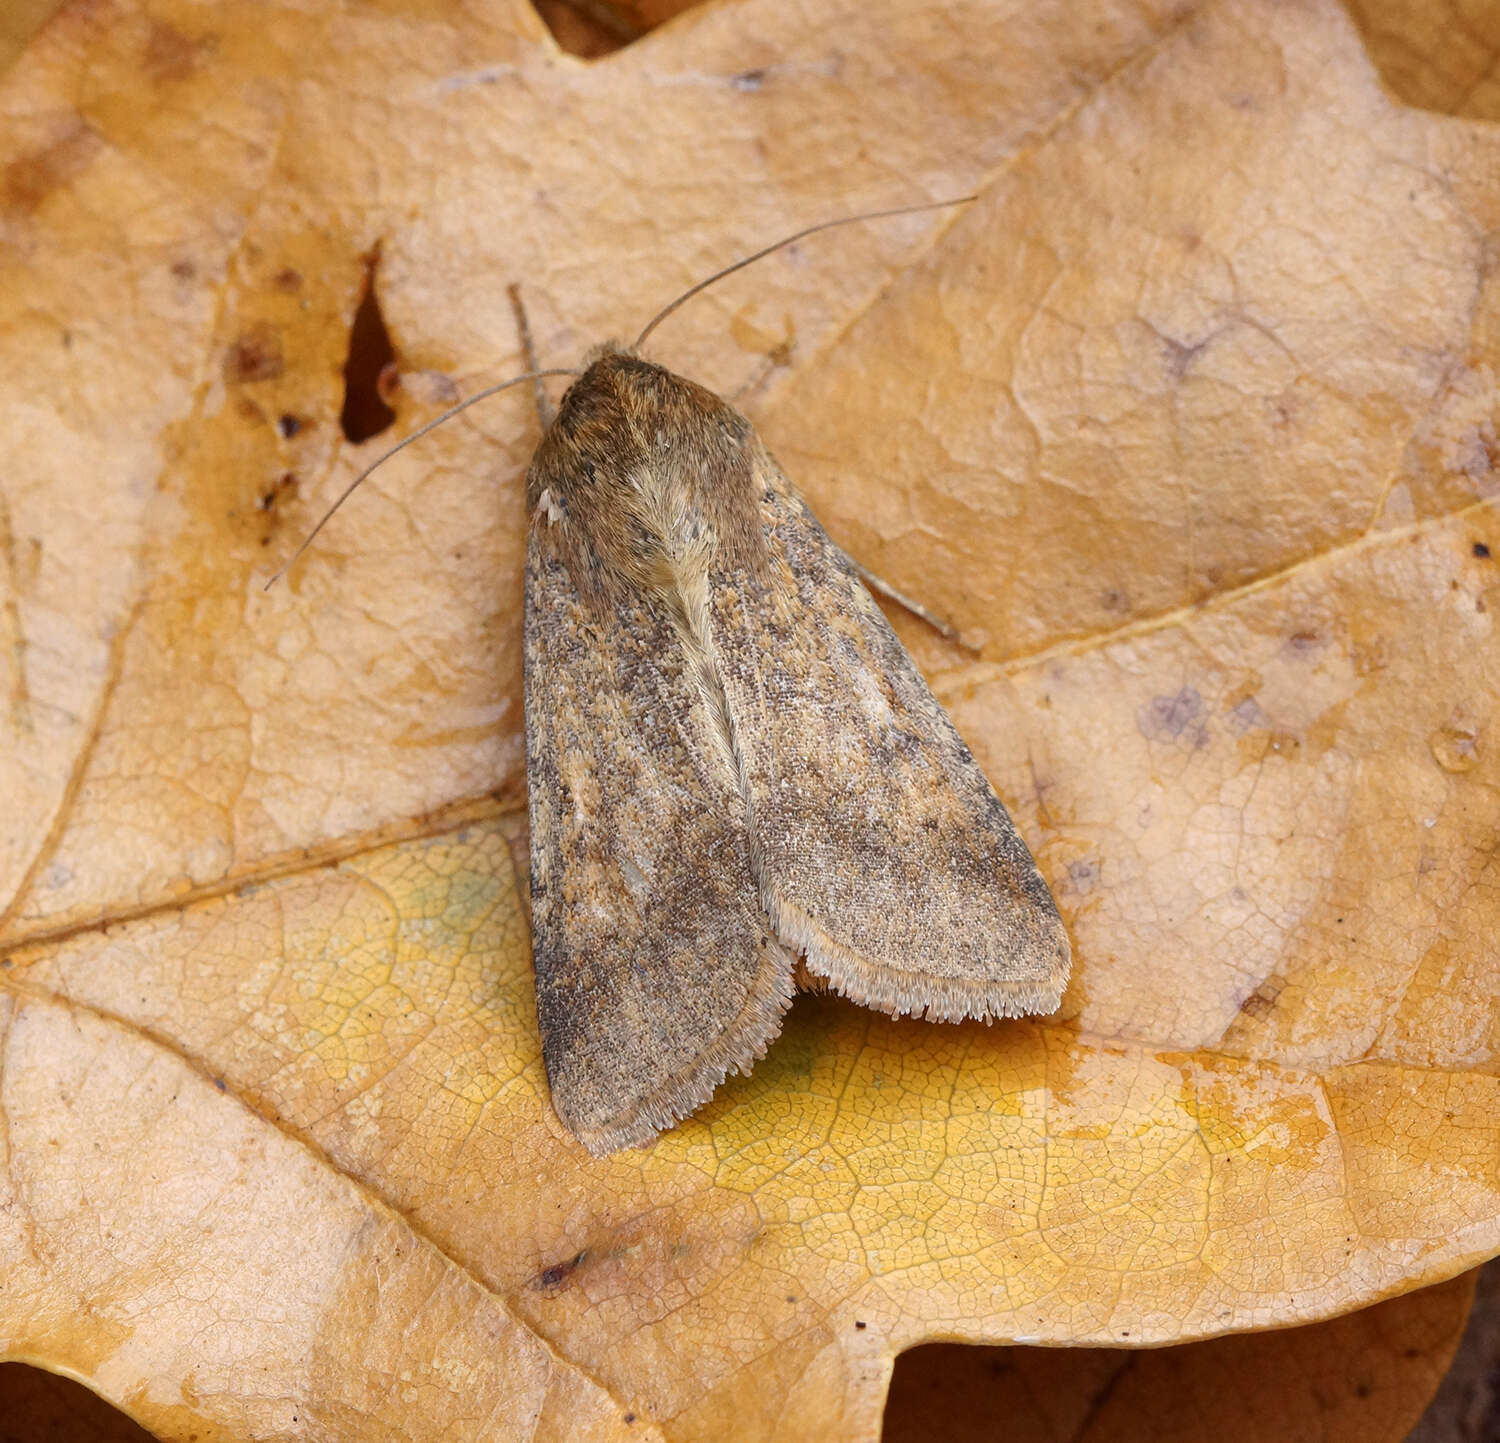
884 854
657 972
732 759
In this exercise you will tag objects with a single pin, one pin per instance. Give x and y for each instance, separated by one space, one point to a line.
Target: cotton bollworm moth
731 763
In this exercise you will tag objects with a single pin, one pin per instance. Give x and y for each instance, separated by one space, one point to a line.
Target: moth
732 763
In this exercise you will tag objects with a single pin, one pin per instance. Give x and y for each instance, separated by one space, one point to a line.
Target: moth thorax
652 534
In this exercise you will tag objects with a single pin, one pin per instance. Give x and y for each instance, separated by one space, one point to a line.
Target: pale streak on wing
880 848
657 973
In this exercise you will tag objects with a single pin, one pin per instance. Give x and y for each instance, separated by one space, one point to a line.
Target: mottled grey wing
881 850
656 971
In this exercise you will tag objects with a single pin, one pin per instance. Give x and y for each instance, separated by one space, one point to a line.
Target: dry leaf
19 21
196 1265
1363 1377
1188 423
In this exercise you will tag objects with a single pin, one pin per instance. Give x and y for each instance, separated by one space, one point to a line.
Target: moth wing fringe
735 1050
914 993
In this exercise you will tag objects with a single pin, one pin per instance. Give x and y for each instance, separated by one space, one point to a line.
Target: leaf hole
371 366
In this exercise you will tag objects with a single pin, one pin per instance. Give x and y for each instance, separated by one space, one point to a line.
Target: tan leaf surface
1188 423
19 20
198 1266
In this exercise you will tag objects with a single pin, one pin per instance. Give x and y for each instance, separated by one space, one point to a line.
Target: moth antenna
792 240
543 403
400 445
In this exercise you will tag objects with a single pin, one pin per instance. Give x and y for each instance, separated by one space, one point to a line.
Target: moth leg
870 579
544 411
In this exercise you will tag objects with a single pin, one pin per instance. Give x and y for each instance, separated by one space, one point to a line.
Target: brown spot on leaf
1262 1001
554 1279
171 55
30 179
285 485
255 356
